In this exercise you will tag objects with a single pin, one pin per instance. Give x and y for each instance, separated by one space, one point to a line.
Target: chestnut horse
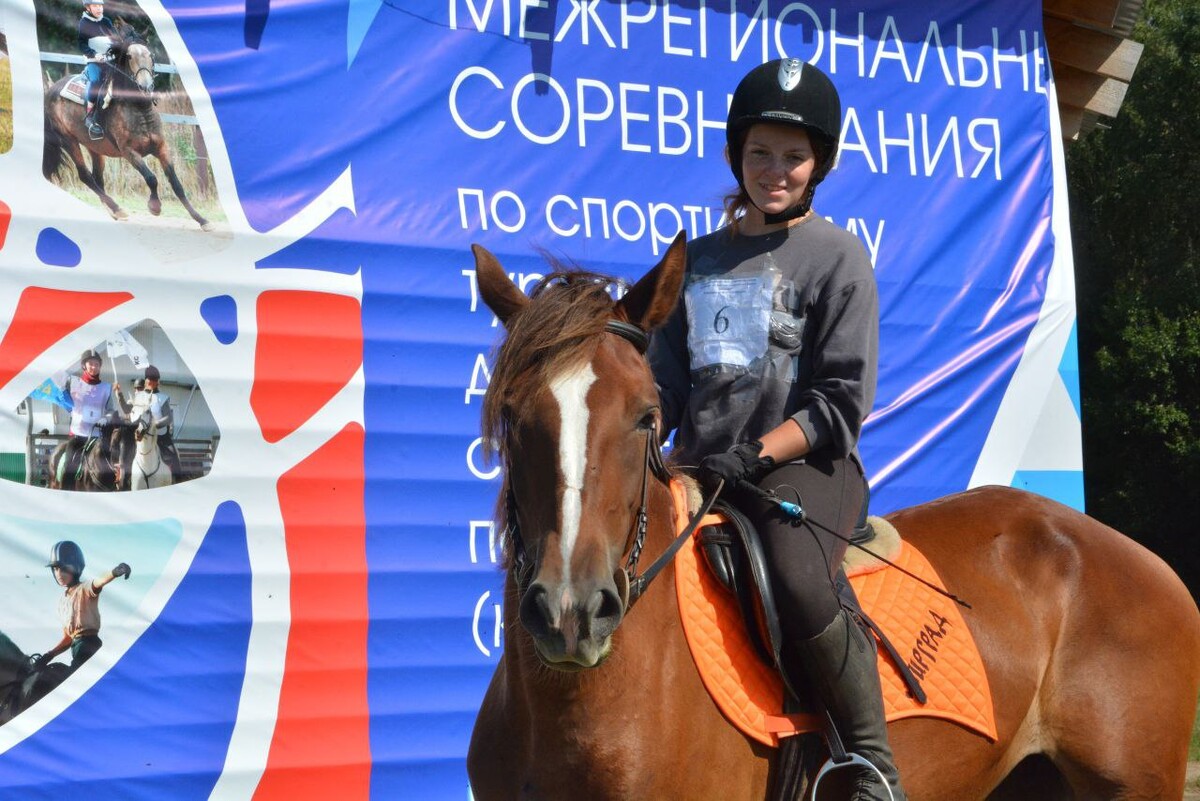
1091 644
132 129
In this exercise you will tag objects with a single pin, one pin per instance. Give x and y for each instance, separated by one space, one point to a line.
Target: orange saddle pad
926 628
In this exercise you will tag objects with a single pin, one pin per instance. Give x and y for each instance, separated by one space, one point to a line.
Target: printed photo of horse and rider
128 415
117 119
6 120
70 595
27 678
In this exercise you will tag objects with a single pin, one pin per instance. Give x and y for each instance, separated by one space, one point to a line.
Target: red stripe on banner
5 218
321 745
43 317
309 346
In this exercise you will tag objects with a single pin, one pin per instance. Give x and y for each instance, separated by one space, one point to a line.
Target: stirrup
852 759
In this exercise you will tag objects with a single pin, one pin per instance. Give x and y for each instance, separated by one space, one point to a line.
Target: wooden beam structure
1092 58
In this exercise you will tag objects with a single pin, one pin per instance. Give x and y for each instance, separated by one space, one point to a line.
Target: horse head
132 56
142 420
13 662
574 412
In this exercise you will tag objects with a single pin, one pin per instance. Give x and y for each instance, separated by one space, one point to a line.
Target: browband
631 333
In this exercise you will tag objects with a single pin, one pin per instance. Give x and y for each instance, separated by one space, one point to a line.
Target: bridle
144 426
133 79
630 585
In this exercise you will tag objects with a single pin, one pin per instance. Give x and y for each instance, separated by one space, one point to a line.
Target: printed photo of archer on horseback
94 435
127 103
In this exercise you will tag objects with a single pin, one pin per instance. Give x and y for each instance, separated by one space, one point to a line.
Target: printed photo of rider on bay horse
111 93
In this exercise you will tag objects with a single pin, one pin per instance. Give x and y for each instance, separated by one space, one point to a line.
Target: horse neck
126 89
147 447
12 659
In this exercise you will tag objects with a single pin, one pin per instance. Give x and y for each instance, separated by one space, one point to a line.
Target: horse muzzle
572 624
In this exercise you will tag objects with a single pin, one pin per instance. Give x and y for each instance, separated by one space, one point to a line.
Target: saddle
73 89
734 555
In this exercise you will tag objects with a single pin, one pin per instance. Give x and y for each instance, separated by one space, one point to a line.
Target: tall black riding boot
841 666
91 121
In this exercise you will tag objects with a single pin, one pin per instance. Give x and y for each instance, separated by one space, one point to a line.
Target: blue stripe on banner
1064 486
1068 368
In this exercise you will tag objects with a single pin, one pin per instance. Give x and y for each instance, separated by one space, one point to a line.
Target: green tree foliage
1135 214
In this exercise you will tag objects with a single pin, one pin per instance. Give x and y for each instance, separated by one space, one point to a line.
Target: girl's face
777 164
92 367
63 576
95 9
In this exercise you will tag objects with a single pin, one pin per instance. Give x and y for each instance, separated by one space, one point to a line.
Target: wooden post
201 159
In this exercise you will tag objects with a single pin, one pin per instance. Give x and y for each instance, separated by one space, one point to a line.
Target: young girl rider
767 369
92 400
96 33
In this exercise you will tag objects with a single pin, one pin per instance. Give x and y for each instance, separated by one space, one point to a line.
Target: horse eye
648 420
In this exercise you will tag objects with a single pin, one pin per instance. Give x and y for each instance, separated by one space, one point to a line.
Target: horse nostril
535 612
605 611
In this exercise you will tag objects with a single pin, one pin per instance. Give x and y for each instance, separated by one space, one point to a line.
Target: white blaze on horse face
570 390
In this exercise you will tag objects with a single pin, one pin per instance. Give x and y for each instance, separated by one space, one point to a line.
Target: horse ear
498 291
650 301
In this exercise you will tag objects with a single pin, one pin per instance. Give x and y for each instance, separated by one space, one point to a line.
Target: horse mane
10 653
558 329
127 34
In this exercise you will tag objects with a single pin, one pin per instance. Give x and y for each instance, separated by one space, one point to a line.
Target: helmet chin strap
787 215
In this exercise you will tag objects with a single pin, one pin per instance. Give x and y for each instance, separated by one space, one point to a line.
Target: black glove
121 570
739 463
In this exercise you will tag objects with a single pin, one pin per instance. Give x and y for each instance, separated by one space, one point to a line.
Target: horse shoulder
492 756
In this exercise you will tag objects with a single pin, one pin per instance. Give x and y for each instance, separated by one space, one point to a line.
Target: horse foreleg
98 169
139 164
86 176
164 158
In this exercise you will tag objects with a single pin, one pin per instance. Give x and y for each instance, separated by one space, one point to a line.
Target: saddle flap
73 89
733 552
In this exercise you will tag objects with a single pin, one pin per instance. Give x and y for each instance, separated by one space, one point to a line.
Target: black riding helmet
68 555
791 92
90 354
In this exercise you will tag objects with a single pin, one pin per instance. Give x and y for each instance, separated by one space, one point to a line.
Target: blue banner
318 602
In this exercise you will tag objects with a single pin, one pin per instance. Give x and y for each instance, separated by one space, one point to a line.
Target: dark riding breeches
84 648
802 558
166 449
70 467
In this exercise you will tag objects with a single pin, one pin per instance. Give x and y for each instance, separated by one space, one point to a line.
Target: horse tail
52 150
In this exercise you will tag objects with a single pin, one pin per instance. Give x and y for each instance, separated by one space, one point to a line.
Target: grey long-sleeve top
768 327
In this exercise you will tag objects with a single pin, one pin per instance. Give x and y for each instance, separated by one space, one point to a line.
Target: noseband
630 586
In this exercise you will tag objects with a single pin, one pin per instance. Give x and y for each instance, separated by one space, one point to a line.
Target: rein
630 585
